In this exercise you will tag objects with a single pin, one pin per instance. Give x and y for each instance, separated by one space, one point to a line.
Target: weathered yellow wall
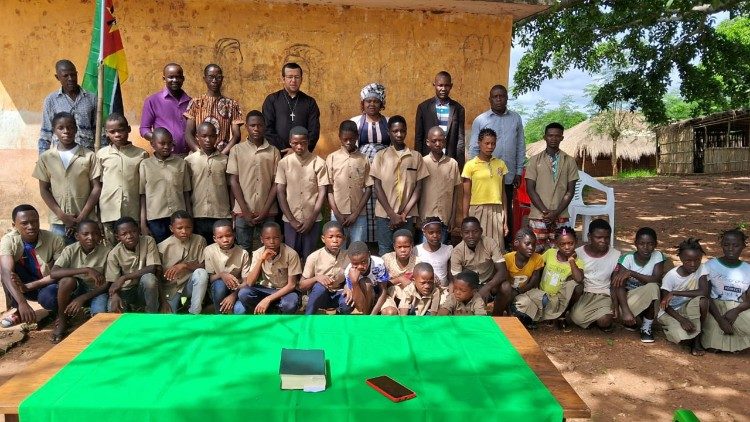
340 49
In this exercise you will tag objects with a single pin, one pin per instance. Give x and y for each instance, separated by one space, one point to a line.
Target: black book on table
302 369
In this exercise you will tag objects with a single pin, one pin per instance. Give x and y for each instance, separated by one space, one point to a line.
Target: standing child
421 297
483 189
365 277
164 186
727 327
323 274
80 274
524 267
227 265
301 181
599 262
67 179
465 298
118 170
434 252
351 184
398 173
210 182
400 266
684 300
636 283
273 277
560 286
440 191
482 255
132 266
252 169
182 258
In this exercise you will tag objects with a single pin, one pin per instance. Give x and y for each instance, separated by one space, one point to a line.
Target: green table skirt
225 368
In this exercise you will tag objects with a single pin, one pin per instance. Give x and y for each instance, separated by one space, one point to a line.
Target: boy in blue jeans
324 272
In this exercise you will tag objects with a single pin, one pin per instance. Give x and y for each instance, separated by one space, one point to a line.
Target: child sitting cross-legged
465 298
400 266
366 278
323 274
421 297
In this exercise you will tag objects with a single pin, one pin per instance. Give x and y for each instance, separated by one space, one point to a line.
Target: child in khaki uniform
118 170
67 179
164 186
210 182
465 298
182 257
274 276
323 274
132 266
421 297
441 190
400 265
227 265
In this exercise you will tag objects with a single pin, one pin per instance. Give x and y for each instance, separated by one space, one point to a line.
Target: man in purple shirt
165 109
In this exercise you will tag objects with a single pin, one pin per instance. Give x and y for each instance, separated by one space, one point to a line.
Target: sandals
10 320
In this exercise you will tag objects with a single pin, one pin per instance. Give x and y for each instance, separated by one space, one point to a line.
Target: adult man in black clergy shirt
288 108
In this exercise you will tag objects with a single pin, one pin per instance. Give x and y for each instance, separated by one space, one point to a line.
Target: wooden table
33 376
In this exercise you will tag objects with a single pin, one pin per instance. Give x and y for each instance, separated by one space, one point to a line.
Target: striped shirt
84 110
510 147
443 114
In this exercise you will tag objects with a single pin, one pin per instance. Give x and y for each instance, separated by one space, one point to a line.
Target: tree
565 113
644 40
612 120
677 108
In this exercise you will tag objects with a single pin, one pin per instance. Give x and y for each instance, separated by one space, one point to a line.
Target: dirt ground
616 375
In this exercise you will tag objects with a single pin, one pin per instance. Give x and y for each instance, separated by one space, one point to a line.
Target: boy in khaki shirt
323 274
164 185
182 258
301 180
440 190
67 181
118 170
132 266
79 272
465 298
210 181
252 168
274 275
421 297
227 265
351 184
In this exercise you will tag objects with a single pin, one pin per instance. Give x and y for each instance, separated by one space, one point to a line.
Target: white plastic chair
578 207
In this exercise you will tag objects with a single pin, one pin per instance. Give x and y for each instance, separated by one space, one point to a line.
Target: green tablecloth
225 368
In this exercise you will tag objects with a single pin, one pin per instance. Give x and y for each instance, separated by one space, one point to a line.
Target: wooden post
99 106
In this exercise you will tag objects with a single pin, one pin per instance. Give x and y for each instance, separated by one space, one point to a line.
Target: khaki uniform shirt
174 251
322 262
276 272
122 261
70 187
349 174
164 182
421 305
481 260
256 169
394 268
398 172
208 177
474 306
48 248
302 179
118 170
74 257
551 191
437 189
235 261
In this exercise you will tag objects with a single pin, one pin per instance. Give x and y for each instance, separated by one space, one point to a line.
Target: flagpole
99 106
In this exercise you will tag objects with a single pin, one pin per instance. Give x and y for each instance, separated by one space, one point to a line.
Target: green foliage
677 108
565 113
643 40
636 174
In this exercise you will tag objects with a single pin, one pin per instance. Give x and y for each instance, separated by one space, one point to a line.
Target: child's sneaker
646 335
10 320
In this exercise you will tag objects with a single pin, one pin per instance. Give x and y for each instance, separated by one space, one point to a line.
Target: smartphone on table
388 387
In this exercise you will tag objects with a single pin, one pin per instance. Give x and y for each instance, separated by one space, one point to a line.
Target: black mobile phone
388 387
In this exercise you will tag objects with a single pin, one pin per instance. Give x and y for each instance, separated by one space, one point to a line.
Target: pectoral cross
292 115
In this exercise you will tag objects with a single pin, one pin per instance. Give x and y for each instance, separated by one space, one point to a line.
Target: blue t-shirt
376 272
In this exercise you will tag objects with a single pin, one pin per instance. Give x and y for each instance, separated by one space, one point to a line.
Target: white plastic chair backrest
585 179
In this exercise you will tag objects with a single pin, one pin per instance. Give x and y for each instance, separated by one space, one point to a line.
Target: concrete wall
340 48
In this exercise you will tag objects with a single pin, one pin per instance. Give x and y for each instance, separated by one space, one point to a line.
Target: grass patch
636 174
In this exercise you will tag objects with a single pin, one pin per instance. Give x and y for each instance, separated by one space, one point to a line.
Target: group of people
240 222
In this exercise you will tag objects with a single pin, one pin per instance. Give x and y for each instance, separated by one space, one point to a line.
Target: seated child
400 266
599 262
635 283
727 328
524 267
227 264
26 255
164 186
80 274
132 266
182 258
421 297
434 252
365 277
465 298
483 256
273 276
560 285
323 274
684 300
